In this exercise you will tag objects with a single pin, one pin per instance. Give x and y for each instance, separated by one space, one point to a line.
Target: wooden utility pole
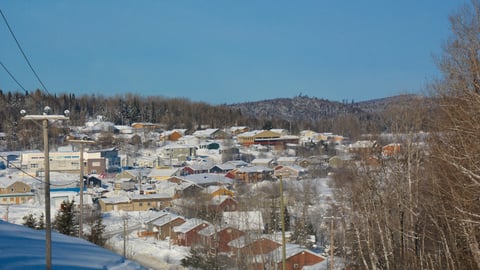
82 144
282 217
45 118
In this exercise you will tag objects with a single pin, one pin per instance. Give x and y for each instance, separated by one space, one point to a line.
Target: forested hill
297 113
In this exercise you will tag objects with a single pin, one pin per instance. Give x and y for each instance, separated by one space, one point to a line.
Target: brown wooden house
187 233
216 238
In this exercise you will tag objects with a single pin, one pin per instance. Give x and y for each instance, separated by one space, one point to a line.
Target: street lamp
45 118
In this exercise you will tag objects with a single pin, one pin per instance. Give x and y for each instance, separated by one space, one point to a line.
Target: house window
12 190
148 204
4 200
34 165
12 199
295 266
25 189
140 204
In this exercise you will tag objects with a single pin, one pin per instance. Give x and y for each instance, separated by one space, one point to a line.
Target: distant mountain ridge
306 108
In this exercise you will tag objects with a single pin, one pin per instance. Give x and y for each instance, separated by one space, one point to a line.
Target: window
12 189
34 165
140 204
295 266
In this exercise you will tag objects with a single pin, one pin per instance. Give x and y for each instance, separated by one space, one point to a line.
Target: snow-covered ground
149 252
24 248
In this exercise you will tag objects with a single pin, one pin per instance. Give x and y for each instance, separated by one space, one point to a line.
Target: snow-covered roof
217 200
159 196
115 200
205 133
290 250
255 169
166 219
189 225
162 172
208 178
244 220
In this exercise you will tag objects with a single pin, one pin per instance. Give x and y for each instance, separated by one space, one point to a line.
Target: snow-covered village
239 135
215 192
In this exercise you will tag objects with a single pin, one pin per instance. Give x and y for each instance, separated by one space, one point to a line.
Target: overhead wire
13 77
34 177
23 53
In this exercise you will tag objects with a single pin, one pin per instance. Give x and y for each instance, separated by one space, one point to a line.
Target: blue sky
226 51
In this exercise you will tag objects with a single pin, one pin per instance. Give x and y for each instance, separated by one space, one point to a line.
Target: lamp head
23 112
47 110
67 113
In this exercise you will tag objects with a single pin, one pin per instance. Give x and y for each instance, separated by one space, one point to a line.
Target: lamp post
82 144
45 118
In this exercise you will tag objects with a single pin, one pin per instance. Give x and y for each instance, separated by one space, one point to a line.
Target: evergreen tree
41 222
199 259
97 228
29 221
65 219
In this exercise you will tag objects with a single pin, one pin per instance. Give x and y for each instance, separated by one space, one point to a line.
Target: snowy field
151 253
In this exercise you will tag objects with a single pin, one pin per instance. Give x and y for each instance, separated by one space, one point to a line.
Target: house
210 133
251 221
176 154
135 202
250 246
163 225
144 202
391 150
222 168
218 191
286 161
145 127
265 162
216 238
112 160
14 192
252 174
296 258
222 203
208 179
263 137
172 135
115 203
195 169
187 233
290 172
162 174
238 130
127 184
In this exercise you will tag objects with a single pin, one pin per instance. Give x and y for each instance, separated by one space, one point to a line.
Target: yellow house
218 191
162 174
14 192
251 137
135 202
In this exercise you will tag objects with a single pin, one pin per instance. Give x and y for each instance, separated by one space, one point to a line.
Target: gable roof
290 251
208 179
244 220
189 225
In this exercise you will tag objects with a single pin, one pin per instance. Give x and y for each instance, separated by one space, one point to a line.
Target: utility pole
45 118
282 217
331 245
82 144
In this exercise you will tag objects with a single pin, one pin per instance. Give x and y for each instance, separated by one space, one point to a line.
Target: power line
23 53
13 77
34 177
